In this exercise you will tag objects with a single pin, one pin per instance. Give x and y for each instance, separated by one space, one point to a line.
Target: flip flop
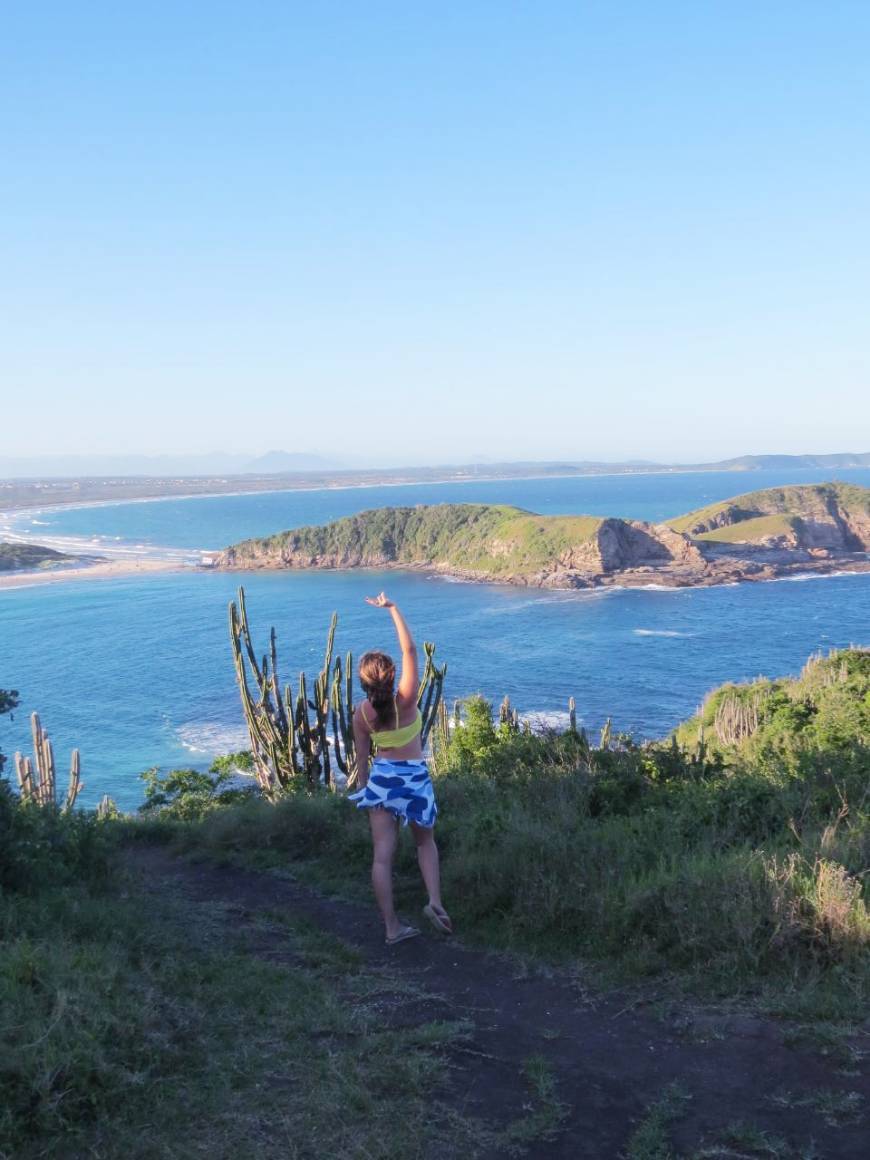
405 932
440 921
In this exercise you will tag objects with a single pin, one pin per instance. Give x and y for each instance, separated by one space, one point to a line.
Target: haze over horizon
284 463
399 236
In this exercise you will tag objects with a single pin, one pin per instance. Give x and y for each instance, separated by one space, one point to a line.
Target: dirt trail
611 1060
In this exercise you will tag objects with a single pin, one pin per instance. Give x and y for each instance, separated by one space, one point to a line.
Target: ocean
137 671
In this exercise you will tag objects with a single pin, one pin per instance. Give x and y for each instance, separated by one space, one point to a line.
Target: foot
439 917
402 933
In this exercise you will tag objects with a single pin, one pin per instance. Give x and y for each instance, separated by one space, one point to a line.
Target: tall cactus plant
37 778
290 736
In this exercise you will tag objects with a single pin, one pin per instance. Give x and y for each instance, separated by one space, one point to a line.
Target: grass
703 880
805 500
651 1139
118 1002
731 870
833 1041
751 530
543 1115
743 1141
835 1107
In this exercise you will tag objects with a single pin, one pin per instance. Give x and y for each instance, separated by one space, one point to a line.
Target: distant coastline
128 560
48 493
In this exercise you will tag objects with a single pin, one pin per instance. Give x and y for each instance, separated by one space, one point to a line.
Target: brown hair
377 674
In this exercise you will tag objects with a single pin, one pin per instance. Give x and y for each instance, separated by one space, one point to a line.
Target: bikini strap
396 707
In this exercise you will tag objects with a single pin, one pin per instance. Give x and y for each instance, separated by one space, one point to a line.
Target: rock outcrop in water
756 536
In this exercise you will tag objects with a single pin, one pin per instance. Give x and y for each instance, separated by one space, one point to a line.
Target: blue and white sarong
402 787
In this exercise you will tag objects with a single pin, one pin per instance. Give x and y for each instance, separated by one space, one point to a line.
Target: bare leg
427 857
385 833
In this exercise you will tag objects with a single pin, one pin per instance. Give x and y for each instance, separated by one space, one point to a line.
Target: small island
758 536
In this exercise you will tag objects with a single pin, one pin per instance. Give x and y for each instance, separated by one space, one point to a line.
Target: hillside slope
834 516
26 557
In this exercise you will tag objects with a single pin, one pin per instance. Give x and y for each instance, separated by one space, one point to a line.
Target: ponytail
377 674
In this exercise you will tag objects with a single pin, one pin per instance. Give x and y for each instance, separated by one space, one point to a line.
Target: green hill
839 512
808 524
486 538
27 557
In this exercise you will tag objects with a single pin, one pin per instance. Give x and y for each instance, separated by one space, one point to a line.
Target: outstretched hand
380 601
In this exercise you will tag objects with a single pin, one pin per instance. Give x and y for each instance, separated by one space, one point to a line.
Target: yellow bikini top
401 735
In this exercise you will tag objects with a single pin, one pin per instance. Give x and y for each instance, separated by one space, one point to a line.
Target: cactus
290 736
37 780
508 717
440 736
736 718
431 690
606 735
107 808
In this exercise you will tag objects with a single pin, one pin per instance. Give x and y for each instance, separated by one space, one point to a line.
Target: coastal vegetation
17 557
727 862
732 859
821 507
135 1024
757 535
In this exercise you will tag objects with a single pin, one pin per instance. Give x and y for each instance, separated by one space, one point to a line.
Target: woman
398 787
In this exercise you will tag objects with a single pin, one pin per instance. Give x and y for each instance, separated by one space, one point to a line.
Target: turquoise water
214 522
138 672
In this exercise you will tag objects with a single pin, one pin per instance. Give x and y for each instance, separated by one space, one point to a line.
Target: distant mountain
784 462
220 464
216 463
282 461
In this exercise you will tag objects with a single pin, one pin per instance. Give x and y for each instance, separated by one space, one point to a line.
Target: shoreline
630 580
618 582
35 509
105 570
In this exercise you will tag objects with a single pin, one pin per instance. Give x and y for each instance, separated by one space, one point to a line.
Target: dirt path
611 1061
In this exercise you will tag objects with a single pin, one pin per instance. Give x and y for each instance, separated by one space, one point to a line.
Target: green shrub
188 794
40 845
728 864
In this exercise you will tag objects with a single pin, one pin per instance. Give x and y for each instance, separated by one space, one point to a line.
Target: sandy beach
106 570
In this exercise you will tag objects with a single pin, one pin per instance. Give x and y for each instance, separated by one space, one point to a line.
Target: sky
394 233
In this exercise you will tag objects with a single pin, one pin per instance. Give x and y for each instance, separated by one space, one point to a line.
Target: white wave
545 597
660 632
212 739
112 547
542 719
801 576
41 523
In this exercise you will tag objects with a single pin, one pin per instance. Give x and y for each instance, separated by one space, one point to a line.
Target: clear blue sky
412 232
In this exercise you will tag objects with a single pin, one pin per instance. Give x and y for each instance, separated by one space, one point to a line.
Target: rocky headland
20 557
758 536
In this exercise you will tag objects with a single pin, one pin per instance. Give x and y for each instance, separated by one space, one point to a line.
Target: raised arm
410 679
